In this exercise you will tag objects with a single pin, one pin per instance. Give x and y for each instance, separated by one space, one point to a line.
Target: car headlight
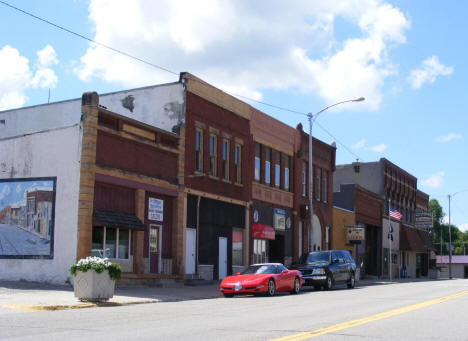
318 272
237 287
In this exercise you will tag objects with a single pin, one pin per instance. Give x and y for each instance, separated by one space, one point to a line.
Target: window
267 165
238 164
325 186
277 169
260 251
319 182
225 159
213 154
304 179
199 150
286 173
237 246
257 162
110 242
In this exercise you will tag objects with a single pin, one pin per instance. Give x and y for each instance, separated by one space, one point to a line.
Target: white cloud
245 47
430 69
360 144
433 180
463 227
16 76
378 148
449 137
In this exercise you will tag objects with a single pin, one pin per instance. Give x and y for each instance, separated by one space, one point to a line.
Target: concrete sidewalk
39 296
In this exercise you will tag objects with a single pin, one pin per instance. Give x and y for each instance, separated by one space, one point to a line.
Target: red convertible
265 278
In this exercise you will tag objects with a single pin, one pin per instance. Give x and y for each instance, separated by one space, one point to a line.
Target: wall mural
27 215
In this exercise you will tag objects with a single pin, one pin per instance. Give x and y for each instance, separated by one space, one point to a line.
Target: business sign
354 234
423 220
279 221
155 209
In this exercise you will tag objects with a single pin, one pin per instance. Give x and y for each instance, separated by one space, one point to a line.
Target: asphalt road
405 311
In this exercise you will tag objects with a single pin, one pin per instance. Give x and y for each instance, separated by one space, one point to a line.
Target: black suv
325 268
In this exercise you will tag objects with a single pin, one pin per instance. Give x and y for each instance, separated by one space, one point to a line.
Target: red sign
260 231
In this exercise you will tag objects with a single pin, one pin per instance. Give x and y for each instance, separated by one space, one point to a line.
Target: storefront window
110 242
237 247
111 238
259 251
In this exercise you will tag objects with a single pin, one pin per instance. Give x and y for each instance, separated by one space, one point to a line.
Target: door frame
219 256
159 227
192 230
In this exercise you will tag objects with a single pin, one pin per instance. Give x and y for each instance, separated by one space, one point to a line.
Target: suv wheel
352 281
329 282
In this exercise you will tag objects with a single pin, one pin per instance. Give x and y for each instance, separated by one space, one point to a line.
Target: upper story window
226 159
277 169
286 172
325 186
213 154
304 183
257 162
238 163
319 182
199 150
267 165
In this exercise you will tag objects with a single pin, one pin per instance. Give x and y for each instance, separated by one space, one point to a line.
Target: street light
312 117
450 233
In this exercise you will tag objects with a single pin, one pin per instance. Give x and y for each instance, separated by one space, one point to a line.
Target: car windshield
315 257
259 269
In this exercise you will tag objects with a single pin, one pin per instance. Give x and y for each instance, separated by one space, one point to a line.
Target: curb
27 307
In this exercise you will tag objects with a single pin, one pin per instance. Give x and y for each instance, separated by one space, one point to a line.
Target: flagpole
390 242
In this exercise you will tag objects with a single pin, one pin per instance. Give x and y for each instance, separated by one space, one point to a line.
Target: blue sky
406 58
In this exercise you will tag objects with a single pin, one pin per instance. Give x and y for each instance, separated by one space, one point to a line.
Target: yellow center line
368 319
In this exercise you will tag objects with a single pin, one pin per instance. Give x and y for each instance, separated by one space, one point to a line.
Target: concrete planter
92 286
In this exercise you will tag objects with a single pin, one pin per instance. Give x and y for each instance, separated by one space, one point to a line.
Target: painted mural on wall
27 212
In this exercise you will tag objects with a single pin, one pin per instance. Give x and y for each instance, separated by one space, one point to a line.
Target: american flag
395 214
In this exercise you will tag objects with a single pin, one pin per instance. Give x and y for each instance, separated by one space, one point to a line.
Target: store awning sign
260 231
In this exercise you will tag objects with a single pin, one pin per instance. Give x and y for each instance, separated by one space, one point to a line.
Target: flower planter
93 286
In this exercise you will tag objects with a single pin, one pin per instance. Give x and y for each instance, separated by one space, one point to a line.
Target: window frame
257 162
225 153
286 173
213 154
238 163
198 149
117 242
267 177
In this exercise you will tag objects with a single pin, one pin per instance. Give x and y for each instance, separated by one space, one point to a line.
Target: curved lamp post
312 117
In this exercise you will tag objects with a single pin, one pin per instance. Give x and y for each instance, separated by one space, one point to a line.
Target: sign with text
355 234
155 209
423 220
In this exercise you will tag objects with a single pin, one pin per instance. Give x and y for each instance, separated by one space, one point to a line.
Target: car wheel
352 281
228 295
271 287
329 282
297 286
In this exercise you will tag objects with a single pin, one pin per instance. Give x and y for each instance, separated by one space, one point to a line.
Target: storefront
220 226
272 235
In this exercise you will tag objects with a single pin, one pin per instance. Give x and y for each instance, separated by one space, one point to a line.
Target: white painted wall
161 106
53 153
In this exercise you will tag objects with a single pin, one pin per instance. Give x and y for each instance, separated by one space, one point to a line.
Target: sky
407 58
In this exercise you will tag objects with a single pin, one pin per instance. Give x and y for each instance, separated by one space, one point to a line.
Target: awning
426 239
116 219
260 231
410 240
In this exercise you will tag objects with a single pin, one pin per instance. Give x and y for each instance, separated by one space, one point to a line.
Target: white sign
155 209
279 221
356 233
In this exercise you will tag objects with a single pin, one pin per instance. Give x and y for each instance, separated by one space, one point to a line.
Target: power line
164 68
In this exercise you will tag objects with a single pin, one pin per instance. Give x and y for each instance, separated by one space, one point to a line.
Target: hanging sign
155 209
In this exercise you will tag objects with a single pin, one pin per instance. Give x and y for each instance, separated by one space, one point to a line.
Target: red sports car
265 278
